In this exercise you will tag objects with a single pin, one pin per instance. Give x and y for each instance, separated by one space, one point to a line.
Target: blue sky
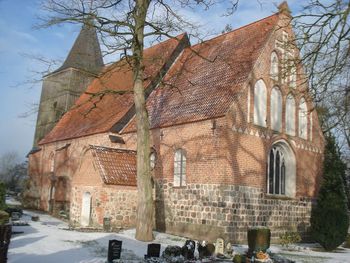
17 37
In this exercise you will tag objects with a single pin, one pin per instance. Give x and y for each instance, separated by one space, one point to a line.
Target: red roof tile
91 115
115 166
201 84
204 80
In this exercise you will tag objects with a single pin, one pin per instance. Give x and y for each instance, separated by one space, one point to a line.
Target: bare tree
323 35
12 170
7 161
123 26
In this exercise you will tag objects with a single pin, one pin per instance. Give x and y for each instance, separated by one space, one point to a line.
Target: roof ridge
110 148
237 29
122 59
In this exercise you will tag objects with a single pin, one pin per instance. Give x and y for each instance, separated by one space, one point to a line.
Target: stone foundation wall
116 203
60 207
31 202
208 211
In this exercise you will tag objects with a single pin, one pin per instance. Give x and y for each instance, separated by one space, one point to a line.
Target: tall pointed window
290 115
260 99
285 52
180 168
302 119
276 109
52 162
274 66
277 172
311 126
293 75
281 170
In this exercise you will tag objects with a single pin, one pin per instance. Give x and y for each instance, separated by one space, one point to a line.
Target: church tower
63 86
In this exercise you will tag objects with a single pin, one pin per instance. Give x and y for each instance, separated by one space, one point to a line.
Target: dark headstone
171 252
10 210
188 249
5 238
35 218
153 250
15 216
114 250
210 248
205 250
258 239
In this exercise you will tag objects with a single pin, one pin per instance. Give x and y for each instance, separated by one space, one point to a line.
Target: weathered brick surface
59 92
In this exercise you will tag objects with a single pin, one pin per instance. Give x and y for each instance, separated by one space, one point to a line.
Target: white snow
12 201
50 241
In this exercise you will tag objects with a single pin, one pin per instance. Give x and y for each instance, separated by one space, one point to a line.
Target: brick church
235 140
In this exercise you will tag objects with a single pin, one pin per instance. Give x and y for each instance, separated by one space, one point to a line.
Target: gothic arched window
277 172
290 115
276 109
52 162
293 75
274 66
303 119
260 99
180 168
281 170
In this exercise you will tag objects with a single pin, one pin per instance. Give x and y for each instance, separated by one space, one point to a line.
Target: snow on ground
307 253
12 201
50 241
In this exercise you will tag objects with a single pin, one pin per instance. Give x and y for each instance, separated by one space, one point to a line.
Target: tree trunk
145 206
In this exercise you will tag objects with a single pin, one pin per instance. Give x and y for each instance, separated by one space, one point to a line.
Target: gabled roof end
283 8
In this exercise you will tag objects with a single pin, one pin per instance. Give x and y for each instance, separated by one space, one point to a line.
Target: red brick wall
115 202
229 151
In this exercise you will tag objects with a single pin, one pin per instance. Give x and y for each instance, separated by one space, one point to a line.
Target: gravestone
35 218
228 249
107 224
172 254
202 248
205 249
153 250
210 249
219 246
114 250
188 249
15 216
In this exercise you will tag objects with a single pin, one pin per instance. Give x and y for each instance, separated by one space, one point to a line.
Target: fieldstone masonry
116 204
212 210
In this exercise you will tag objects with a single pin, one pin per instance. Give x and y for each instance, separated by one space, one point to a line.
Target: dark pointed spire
85 53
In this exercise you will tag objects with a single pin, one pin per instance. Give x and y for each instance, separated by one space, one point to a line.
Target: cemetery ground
50 240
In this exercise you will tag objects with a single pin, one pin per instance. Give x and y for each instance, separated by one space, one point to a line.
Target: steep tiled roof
113 98
115 166
203 82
